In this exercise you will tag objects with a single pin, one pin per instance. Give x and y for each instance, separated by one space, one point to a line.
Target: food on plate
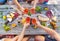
53 25
9 19
33 21
9 16
28 20
49 14
38 9
43 23
4 17
23 20
12 15
32 11
43 18
6 28
26 11
29 13
46 8
54 18
13 25
16 14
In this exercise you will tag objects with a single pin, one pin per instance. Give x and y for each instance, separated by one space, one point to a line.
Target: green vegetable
38 9
43 23
29 13
6 28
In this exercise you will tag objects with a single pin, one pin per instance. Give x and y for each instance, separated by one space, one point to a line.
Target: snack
49 14
53 25
16 14
6 28
4 17
46 8
43 18
12 15
13 25
54 18
38 9
23 20
43 23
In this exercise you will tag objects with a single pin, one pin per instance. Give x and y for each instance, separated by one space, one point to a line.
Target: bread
43 18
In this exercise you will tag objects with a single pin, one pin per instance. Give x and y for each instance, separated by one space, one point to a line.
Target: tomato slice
26 11
32 11
28 20
33 21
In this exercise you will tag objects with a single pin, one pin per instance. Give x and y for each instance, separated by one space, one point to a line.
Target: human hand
32 10
38 23
26 25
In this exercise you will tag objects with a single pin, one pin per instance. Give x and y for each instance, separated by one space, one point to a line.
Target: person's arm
18 5
52 32
35 3
23 32
20 37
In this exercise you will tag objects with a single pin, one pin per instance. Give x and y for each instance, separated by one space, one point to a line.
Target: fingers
18 5
26 38
35 3
16 38
39 38
26 24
